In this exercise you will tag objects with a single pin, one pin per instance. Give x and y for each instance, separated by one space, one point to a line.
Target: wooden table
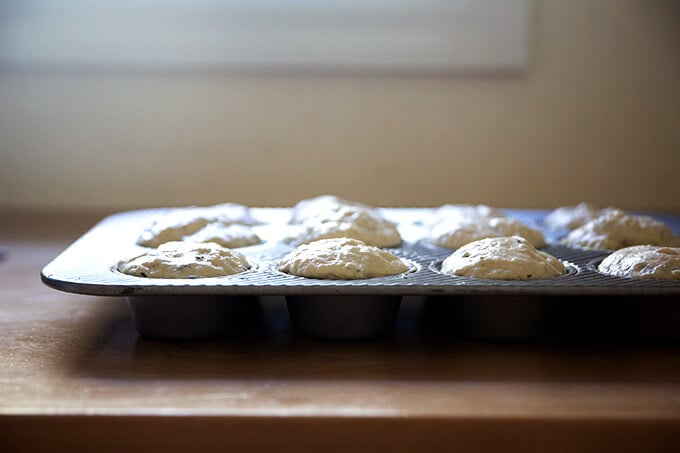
75 375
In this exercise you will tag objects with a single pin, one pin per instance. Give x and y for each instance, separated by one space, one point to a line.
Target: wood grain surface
75 375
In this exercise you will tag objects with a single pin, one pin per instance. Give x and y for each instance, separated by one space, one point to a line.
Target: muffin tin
338 309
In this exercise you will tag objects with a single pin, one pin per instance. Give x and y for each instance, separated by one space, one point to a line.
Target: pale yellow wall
596 116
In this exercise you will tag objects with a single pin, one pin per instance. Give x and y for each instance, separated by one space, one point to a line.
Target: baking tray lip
61 275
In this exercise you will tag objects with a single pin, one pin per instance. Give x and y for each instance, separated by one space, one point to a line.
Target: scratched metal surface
89 265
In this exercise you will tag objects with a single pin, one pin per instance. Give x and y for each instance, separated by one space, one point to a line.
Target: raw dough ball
502 258
321 206
350 222
179 223
643 261
455 212
227 235
615 230
230 213
172 227
570 217
341 258
185 260
456 232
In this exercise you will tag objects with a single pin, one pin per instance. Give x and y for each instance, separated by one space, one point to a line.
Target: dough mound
341 259
227 235
321 206
643 261
185 260
350 222
615 230
455 212
571 217
180 223
502 258
456 232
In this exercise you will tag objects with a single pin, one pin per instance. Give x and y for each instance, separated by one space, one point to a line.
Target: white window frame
260 34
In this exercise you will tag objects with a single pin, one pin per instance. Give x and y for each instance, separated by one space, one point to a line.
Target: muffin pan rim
69 271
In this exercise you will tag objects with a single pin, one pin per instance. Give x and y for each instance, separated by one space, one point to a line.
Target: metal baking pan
334 309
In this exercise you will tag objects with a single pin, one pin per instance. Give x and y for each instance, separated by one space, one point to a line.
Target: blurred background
514 104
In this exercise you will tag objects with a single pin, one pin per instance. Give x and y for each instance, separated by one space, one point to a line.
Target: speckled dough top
456 232
502 258
350 222
232 235
321 206
570 217
643 261
185 260
464 211
341 258
615 230
182 223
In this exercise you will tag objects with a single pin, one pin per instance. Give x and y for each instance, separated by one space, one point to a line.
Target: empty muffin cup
343 318
190 317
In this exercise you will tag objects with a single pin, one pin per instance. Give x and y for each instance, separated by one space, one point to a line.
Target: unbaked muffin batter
341 258
321 206
178 259
502 258
643 261
615 230
456 232
571 217
180 223
350 222
232 235
464 211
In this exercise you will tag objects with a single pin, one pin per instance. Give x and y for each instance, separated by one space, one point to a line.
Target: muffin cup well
174 318
654 318
343 318
502 318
